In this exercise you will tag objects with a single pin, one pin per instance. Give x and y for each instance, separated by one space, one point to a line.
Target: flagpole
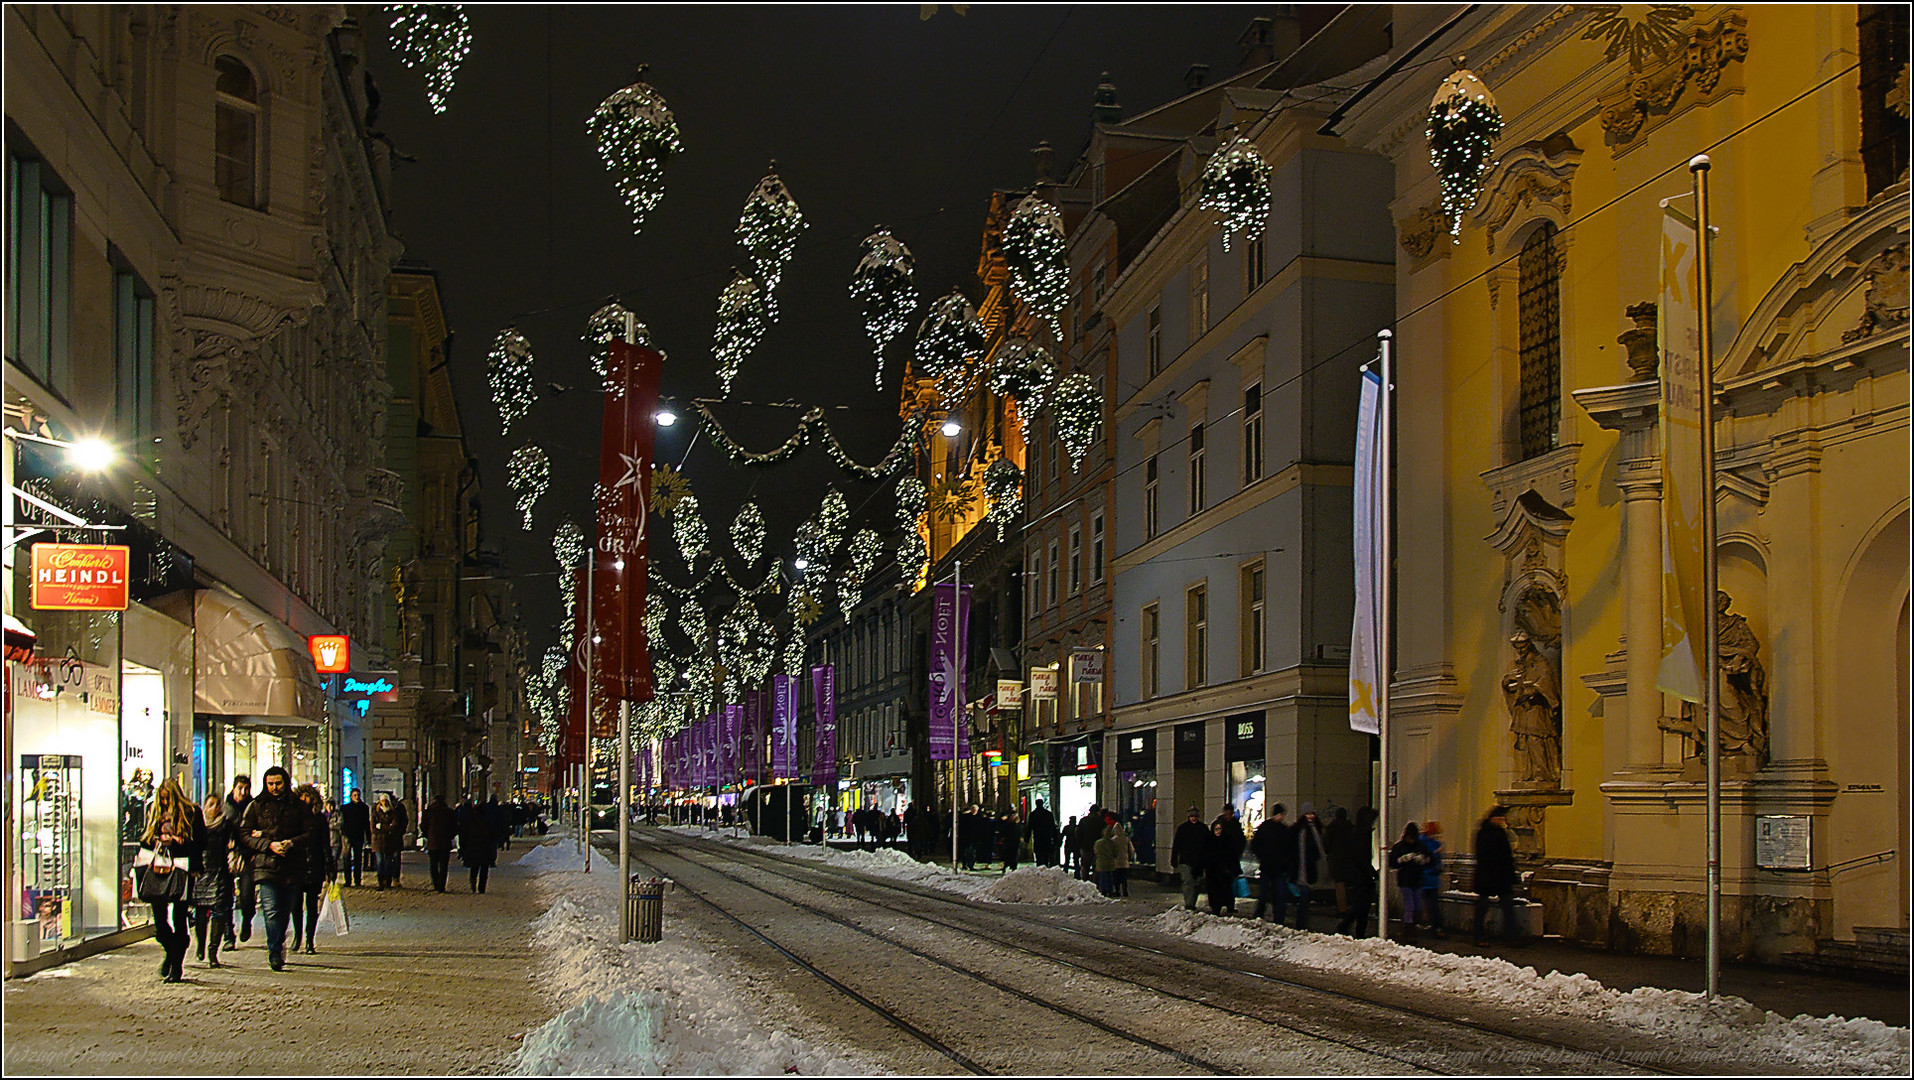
957 697
584 764
1385 655
1710 572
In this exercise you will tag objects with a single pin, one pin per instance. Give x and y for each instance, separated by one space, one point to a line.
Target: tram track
1311 1019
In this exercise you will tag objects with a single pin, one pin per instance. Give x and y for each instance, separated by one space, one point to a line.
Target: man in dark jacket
499 820
1276 857
245 897
355 826
1309 857
277 829
1089 831
441 827
1043 834
1189 851
1495 871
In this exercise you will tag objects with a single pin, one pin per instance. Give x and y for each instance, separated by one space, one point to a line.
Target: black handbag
163 882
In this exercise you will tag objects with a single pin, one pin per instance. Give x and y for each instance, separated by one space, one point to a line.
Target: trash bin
645 908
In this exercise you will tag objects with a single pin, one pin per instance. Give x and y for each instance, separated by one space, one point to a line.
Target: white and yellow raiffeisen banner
1684 601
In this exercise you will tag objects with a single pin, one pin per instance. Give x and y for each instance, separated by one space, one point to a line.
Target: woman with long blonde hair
174 831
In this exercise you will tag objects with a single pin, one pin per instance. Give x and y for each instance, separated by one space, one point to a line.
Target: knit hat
1197 810
1277 809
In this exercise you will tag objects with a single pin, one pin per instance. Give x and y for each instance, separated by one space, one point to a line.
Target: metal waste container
645 908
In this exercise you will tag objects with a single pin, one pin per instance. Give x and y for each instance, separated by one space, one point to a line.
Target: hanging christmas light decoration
1236 186
747 533
742 318
1034 252
668 488
606 325
949 338
882 284
528 474
636 133
568 545
691 621
1077 412
657 617
769 229
831 515
747 644
1003 487
804 607
910 500
508 368
688 531
950 498
1023 371
911 555
794 654
865 548
435 37
1463 126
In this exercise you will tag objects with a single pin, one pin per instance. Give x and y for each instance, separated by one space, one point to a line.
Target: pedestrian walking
276 829
175 836
1432 876
213 883
1010 841
245 893
1089 831
1411 861
388 839
440 827
1495 872
1222 866
478 848
355 823
1343 847
1360 887
1309 862
1276 863
499 821
1103 857
1122 855
1189 853
1236 842
1042 828
314 870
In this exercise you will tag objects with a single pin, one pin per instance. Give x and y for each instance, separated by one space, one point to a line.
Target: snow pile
667 1008
1730 1026
564 855
1041 885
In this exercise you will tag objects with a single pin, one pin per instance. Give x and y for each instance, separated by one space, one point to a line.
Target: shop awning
250 665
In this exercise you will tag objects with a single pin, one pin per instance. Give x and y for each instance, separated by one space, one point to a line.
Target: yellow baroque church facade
1529 481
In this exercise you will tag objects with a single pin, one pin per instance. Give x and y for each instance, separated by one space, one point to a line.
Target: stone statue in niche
1533 693
1742 692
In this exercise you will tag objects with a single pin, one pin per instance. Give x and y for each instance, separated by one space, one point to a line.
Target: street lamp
91 454
951 429
665 417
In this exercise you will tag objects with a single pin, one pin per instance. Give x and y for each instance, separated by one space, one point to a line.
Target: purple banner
708 752
784 757
824 696
733 743
949 727
754 736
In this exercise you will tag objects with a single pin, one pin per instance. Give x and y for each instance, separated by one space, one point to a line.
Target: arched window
236 125
1541 343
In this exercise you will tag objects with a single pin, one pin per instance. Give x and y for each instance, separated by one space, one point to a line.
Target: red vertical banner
622 552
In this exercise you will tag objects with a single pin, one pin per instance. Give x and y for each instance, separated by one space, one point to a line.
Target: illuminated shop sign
79 577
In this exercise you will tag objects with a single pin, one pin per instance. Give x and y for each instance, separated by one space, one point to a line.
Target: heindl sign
79 577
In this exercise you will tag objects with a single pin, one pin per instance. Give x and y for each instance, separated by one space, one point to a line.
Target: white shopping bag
333 911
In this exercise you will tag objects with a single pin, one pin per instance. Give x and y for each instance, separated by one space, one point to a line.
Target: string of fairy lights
636 135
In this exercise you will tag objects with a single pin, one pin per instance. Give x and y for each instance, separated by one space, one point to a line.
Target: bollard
645 908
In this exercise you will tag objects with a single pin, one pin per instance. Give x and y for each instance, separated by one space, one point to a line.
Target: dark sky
874 116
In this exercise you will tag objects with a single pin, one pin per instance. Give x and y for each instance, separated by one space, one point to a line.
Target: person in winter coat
1276 859
355 824
478 848
1237 842
499 820
1189 853
1343 846
175 830
1103 857
1010 841
1495 871
278 830
245 895
387 825
1432 875
317 870
1043 834
1121 856
1309 861
1411 861
1089 831
213 883
1360 886
440 826
1222 866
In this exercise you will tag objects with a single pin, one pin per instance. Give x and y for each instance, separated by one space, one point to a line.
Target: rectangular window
1540 313
1883 30
1096 547
1149 498
1196 608
1056 459
39 272
1255 580
1153 343
1198 474
1051 579
1152 639
1076 559
1033 585
1252 434
1199 296
1252 263
133 359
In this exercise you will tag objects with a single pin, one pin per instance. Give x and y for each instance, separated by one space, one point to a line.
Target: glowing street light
951 428
665 417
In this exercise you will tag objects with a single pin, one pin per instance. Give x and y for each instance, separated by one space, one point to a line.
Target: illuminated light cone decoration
1463 126
883 285
1076 411
1236 187
949 339
747 646
688 531
435 37
768 229
1003 487
508 369
605 324
794 654
528 474
912 557
747 533
636 134
1035 253
743 315
692 623
866 548
1023 371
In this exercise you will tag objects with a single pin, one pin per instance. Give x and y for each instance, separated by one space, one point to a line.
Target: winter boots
213 938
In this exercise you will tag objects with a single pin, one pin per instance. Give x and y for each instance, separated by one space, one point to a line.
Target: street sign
1009 694
1043 684
79 577
1086 665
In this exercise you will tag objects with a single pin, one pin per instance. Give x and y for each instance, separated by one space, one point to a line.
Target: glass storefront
1246 781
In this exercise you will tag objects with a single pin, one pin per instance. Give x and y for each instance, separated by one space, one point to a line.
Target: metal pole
625 929
957 700
1710 576
1385 654
584 765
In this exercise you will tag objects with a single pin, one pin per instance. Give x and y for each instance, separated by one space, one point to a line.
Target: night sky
874 116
